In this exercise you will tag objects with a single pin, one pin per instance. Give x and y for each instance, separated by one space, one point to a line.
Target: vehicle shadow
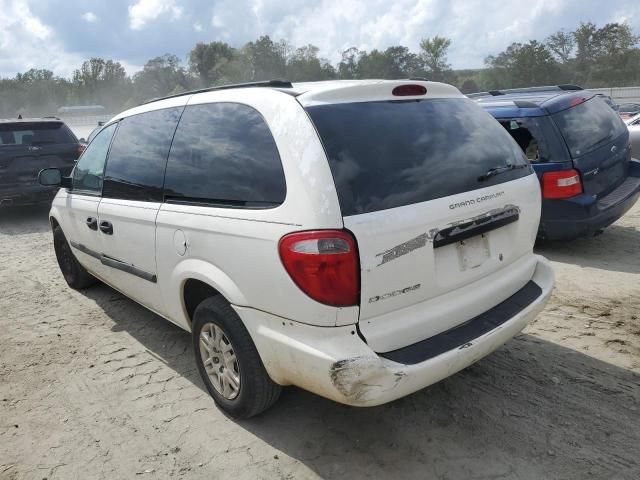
616 249
532 409
24 220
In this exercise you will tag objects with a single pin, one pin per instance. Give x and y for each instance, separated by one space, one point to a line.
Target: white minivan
358 239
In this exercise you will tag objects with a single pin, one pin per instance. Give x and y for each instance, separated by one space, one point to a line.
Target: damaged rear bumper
336 363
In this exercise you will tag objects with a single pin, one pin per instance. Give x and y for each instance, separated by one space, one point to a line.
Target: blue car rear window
588 126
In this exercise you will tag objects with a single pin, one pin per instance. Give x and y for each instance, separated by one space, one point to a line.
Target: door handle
92 223
106 227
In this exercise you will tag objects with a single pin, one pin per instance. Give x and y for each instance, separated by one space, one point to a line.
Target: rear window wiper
493 171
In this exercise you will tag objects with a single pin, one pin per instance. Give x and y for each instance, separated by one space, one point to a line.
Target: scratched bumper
335 363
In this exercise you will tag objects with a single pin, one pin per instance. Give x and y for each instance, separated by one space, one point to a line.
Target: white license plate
473 252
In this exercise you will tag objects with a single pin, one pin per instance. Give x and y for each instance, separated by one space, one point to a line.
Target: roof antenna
20 117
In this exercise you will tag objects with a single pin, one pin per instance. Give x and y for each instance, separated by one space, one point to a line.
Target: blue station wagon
579 148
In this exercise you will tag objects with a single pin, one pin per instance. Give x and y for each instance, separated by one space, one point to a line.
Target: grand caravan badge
475 201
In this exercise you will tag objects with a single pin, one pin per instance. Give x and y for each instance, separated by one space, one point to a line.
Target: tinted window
224 153
93 133
393 153
138 156
88 172
588 126
36 134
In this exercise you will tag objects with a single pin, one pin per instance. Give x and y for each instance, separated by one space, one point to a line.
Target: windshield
392 153
588 126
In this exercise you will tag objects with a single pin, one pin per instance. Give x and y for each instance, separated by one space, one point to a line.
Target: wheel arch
54 222
194 292
199 280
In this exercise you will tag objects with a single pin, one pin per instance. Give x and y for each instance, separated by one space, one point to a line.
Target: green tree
392 63
401 63
433 54
267 59
103 82
208 60
160 76
305 65
348 66
522 65
469 86
562 44
606 56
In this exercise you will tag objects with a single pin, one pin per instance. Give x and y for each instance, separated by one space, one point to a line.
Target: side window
224 154
537 138
529 136
138 156
88 172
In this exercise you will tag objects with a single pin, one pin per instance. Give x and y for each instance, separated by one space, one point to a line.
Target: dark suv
26 147
579 148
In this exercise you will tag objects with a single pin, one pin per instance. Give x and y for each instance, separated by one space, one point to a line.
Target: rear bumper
335 363
584 215
26 195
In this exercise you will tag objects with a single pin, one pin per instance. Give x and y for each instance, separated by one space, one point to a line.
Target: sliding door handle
106 227
92 223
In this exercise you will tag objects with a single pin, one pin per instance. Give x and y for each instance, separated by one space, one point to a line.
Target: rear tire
74 274
228 361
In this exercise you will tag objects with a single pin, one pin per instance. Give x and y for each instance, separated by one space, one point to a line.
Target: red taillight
81 148
324 265
562 184
409 90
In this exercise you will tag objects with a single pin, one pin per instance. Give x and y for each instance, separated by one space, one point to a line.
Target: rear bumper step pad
468 331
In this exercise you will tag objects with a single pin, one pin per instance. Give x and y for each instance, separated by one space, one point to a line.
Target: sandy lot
94 386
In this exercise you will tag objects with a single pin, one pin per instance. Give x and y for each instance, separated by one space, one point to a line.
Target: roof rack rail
548 88
52 116
265 83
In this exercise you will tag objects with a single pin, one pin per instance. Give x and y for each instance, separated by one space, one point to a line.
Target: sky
60 34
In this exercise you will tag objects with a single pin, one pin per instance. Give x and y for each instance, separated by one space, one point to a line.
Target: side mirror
50 177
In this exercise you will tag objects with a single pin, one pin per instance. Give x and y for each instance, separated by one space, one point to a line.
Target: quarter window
224 154
89 171
138 156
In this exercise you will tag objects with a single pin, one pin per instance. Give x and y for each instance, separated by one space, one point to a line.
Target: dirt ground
94 386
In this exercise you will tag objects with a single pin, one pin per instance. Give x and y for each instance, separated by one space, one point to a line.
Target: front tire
74 274
228 361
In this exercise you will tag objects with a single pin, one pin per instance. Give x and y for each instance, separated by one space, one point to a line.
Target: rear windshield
393 153
589 125
35 134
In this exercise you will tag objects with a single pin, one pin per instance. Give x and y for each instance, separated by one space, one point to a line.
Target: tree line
590 56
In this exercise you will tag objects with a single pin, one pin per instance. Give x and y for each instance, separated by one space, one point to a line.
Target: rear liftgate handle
106 227
92 223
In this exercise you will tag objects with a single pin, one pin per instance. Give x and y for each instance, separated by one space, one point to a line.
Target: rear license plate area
473 252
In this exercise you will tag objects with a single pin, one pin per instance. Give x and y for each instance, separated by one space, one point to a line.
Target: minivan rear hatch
437 195
598 142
